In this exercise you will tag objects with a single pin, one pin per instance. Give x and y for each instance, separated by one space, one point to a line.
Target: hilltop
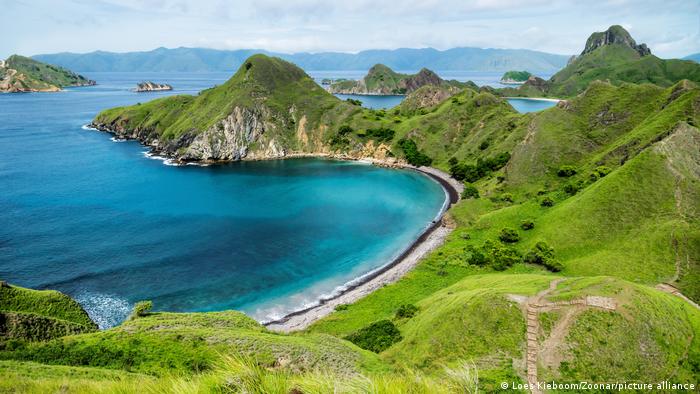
613 56
22 74
515 77
381 80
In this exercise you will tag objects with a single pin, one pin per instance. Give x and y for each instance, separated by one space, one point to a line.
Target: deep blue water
524 105
104 223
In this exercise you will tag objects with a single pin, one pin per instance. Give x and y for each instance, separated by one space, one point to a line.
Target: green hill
515 77
22 74
381 80
27 314
615 57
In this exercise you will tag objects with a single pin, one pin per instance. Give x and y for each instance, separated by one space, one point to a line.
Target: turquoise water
524 105
374 102
104 223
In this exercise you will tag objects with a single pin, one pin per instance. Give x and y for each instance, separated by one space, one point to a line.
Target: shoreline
535 99
432 237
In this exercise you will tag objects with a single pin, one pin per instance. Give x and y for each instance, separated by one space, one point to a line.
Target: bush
345 129
142 308
474 172
499 257
406 311
507 197
380 134
413 155
547 202
542 254
599 172
354 102
571 188
376 337
527 225
341 307
508 235
470 192
566 171
453 161
484 144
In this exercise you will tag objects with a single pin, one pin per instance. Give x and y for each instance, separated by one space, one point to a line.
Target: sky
671 28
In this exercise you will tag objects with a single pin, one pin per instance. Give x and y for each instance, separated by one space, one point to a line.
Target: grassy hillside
27 314
23 74
515 76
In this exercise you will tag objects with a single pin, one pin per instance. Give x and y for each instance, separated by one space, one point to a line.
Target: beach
431 238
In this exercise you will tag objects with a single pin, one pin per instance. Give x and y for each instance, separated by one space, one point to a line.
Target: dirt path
550 353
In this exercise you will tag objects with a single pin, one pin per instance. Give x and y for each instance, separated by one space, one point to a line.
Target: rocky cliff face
614 35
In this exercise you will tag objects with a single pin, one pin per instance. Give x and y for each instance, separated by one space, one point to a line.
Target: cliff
22 74
382 80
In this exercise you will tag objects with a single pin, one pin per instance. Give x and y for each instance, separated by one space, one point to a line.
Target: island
20 74
515 77
382 80
148 86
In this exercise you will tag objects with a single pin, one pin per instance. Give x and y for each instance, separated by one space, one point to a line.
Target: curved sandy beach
431 238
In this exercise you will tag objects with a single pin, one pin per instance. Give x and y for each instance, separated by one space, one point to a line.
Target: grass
38 75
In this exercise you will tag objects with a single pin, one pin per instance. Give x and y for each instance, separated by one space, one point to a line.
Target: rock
149 86
614 35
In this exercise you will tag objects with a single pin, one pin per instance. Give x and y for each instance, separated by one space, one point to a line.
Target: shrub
376 337
341 307
499 257
470 191
542 254
527 225
453 161
484 144
406 311
354 102
345 129
566 171
413 155
547 202
508 235
380 134
599 172
507 197
142 308
571 188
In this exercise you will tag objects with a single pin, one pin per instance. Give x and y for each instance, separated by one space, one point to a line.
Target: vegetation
27 75
515 76
376 337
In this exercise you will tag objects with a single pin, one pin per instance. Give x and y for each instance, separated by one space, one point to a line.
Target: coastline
534 99
433 236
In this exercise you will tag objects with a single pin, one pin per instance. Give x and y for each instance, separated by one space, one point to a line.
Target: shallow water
110 226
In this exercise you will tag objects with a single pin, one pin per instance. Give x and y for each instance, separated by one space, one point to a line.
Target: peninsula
23 74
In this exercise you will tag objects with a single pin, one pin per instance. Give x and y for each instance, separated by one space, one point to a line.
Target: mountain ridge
205 59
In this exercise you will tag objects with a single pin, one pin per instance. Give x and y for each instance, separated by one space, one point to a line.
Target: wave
87 127
107 310
165 160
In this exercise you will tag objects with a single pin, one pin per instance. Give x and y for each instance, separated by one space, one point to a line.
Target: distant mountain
694 57
382 80
23 74
615 57
202 59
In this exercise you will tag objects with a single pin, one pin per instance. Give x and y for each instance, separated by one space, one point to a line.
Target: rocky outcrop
232 137
614 35
426 97
149 86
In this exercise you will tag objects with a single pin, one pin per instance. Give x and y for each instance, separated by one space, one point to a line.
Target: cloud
670 27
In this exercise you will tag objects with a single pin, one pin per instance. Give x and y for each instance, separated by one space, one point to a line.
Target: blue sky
671 28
